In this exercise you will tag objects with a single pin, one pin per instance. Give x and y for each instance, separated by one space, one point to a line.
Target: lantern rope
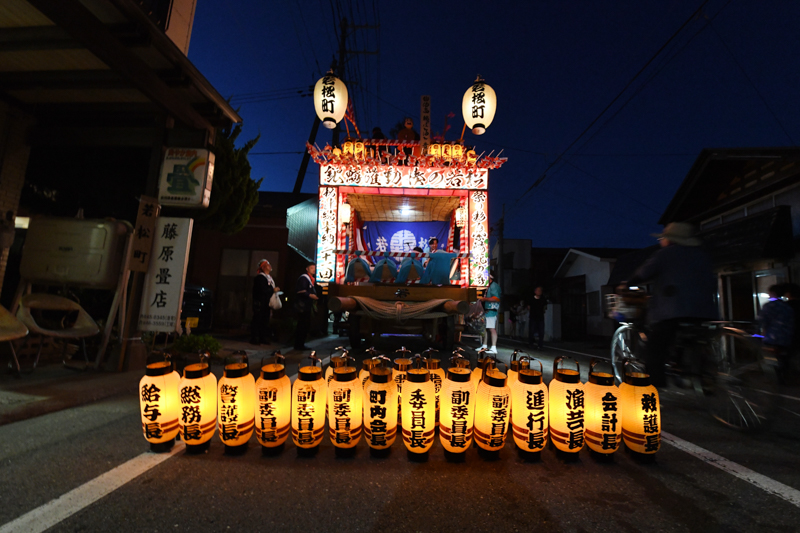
400 311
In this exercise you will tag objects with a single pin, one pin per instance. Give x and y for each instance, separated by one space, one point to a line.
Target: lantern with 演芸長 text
567 403
159 402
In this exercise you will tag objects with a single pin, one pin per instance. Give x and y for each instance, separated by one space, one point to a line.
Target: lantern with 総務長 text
309 402
641 412
492 409
273 405
159 402
345 407
236 403
529 416
603 433
567 408
419 410
457 409
198 396
380 397
330 100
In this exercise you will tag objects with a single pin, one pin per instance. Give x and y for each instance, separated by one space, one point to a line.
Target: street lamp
478 106
330 100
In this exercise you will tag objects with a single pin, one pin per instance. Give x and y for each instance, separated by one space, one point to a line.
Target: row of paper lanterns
403 398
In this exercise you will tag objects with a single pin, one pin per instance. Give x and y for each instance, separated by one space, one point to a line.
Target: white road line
53 512
61 508
766 484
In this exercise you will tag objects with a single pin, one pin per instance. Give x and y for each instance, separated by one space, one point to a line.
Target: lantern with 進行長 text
198 396
159 402
603 432
529 416
309 402
567 403
492 409
457 409
380 397
641 412
236 402
419 410
273 405
345 407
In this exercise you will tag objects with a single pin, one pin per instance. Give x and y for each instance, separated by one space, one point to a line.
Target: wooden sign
143 234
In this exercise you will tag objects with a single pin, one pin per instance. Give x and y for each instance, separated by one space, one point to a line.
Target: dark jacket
262 292
304 288
684 285
538 307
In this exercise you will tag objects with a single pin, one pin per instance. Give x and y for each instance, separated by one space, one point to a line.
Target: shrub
197 343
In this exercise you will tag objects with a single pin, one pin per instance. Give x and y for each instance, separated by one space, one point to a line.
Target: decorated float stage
380 199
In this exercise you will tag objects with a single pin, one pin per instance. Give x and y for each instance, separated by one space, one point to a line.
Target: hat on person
681 233
434 238
261 263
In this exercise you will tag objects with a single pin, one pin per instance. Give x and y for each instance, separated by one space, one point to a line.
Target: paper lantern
345 407
367 365
641 412
514 366
159 403
603 433
335 362
198 397
309 401
478 106
461 217
330 100
492 406
477 372
437 375
344 213
401 366
274 405
456 416
529 415
419 409
236 402
380 397
567 404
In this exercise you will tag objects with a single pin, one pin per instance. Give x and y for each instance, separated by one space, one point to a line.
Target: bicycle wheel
622 349
743 393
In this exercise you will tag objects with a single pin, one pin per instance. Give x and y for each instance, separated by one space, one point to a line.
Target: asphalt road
43 458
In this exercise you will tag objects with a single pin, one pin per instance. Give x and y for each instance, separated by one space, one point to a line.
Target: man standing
263 289
536 317
305 296
491 303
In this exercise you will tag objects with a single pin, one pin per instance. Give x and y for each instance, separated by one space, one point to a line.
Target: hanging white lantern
236 402
380 397
274 405
419 411
567 408
457 414
492 409
344 213
478 106
345 408
159 404
198 396
330 100
309 401
530 410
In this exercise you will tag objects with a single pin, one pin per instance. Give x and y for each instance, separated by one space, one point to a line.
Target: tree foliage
234 193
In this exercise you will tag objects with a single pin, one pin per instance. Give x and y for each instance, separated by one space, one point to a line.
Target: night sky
730 78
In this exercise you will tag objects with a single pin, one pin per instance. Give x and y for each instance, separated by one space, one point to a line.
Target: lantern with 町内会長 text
492 409
236 402
198 396
309 402
529 416
380 397
273 405
641 412
419 410
603 432
567 403
345 407
457 409
159 403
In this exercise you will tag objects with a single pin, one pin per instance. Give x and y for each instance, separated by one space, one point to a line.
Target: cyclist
684 289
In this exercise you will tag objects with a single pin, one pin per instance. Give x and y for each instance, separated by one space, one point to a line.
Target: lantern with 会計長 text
198 396
273 405
309 402
236 403
603 432
159 402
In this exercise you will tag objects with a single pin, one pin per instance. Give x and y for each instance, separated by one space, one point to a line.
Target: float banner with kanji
403 236
411 177
186 177
164 282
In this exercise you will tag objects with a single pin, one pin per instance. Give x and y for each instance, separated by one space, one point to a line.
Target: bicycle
720 360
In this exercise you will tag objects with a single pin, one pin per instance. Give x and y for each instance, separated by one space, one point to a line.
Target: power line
604 184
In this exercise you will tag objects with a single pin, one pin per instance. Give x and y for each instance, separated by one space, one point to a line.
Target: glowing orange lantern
159 403
367 365
492 406
567 408
401 366
529 415
309 401
236 403
335 362
274 408
380 397
641 412
345 408
516 365
419 411
198 396
456 417
477 372
603 432
437 375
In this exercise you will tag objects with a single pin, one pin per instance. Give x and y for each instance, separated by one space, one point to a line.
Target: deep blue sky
554 66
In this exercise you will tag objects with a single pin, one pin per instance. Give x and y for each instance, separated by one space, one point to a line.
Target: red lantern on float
567 408
309 401
492 409
529 417
198 396
345 408
236 403
380 397
641 412
159 403
274 405
603 421
457 412
419 411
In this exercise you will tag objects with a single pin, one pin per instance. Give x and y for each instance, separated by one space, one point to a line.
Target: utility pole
500 262
340 70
